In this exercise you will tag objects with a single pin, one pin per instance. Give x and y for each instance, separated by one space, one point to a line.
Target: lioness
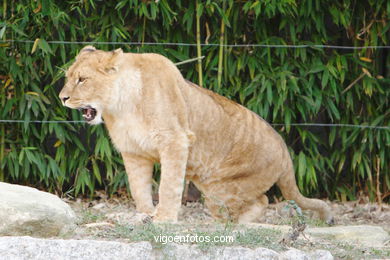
154 115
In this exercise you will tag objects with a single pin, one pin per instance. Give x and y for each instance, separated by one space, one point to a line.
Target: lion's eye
80 80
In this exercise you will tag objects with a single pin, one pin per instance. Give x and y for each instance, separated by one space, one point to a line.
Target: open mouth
89 113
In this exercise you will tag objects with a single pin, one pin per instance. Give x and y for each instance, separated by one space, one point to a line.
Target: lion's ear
86 49
118 51
112 64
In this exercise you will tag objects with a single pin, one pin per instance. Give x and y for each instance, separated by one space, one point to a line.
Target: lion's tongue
88 113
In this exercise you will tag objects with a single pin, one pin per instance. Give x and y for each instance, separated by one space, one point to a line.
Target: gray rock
233 253
321 255
294 254
175 251
28 211
366 235
23 248
265 253
20 248
371 236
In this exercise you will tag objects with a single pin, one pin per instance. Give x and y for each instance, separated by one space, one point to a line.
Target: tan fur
153 115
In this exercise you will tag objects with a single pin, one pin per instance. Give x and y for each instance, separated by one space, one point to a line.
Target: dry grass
116 219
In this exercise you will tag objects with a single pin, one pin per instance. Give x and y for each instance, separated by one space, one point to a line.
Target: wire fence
276 124
319 46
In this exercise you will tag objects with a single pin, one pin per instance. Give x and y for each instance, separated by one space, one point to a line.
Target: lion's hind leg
228 201
253 211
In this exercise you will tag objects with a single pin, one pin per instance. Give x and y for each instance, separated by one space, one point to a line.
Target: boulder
20 248
320 254
365 235
294 254
175 251
28 211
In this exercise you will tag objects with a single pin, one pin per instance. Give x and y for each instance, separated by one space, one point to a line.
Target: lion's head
90 83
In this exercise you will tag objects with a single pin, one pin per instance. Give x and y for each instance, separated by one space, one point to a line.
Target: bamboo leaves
283 85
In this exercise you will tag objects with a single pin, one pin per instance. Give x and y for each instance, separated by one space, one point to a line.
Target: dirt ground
121 209
115 219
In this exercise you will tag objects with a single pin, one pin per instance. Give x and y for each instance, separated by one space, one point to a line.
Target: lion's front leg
173 159
139 171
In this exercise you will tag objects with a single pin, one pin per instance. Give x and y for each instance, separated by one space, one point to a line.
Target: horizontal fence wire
210 44
276 124
320 46
42 121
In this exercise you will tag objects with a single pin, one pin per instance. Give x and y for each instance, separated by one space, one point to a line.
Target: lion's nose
64 99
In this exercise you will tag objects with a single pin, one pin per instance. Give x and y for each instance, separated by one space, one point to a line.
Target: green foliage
283 85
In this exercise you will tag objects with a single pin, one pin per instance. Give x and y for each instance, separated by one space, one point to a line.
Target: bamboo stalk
2 102
2 147
353 83
378 190
221 42
4 9
226 54
189 60
198 47
225 65
143 32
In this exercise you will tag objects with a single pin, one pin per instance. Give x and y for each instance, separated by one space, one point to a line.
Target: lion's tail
288 186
